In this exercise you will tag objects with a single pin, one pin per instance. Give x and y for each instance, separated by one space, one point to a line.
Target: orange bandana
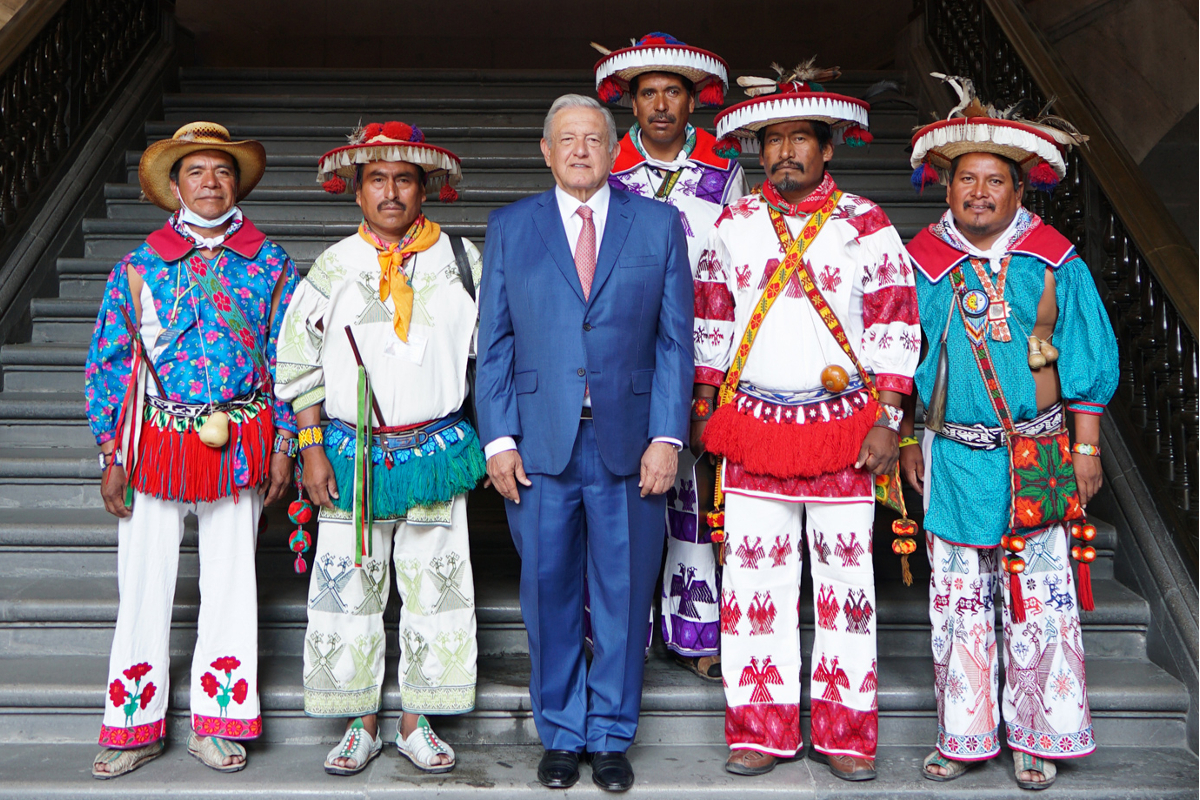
421 236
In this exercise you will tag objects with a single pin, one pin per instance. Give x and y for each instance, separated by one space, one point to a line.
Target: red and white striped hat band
660 52
747 118
390 141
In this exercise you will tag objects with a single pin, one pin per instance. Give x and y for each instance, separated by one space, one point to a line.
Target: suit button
581 372
587 327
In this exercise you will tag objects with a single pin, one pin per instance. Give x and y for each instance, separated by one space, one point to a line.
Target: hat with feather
794 96
1039 146
660 52
390 141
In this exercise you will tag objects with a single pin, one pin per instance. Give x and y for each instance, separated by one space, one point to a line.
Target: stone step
59 698
487 771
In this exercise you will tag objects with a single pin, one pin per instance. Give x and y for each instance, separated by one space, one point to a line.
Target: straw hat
390 141
660 52
154 170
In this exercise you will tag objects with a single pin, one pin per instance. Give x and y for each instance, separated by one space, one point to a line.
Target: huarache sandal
422 746
212 752
119 762
848 768
750 762
707 667
954 769
1024 762
356 745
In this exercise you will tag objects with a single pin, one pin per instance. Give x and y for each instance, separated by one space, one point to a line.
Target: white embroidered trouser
1045 693
344 644
224 681
760 626
691 609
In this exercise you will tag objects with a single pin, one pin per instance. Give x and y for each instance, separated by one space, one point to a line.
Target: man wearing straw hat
806 340
380 332
179 395
664 157
1022 334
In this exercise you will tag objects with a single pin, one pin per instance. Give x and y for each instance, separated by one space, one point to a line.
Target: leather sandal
848 768
707 667
211 751
954 769
750 762
120 762
1024 762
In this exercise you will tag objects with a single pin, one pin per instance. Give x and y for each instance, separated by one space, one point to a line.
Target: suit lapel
616 228
550 226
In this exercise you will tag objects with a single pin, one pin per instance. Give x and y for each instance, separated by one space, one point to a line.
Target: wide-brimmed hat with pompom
1039 146
390 141
660 52
154 169
794 96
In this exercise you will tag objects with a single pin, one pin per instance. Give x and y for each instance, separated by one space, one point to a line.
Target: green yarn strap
363 519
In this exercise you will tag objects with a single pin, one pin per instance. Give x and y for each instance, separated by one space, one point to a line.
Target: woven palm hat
660 52
390 141
794 96
1038 146
154 169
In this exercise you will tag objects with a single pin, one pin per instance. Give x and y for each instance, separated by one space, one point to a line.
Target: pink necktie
585 251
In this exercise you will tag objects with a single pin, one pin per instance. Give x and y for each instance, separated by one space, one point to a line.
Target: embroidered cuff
1084 407
709 376
311 436
893 383
309 399
889 417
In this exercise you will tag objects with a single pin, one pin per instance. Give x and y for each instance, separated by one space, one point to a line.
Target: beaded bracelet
288 445
889 417
310 437
1085 449
905 441
702 409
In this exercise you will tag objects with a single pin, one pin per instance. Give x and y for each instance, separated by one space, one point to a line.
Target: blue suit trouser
574 707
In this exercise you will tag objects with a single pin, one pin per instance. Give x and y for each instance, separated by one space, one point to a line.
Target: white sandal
120 762
356 744
212 751
422 746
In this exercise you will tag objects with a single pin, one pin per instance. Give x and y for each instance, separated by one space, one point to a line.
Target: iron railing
54 89
1142 271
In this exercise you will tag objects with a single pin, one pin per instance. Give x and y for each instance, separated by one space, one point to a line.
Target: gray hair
580 101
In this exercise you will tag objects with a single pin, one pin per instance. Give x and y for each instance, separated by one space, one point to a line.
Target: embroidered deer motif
1061 600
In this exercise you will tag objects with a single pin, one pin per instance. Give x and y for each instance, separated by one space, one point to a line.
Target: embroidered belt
798 398
193 410
981 437
406 437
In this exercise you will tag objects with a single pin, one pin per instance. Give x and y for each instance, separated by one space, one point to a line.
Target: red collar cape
629 157
170 246
935 258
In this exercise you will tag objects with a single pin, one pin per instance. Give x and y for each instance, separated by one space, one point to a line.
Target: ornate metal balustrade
1155 322
52 91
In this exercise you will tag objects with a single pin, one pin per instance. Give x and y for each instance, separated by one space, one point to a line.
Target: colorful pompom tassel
923 176
371 131
712 95
1015 567
609 91
858 137
334 185
904 545
417 135
299 512
1043 177
448 194
728 147
397 130
1085 555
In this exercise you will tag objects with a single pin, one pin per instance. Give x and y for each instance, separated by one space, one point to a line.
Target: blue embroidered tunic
193 353
969 488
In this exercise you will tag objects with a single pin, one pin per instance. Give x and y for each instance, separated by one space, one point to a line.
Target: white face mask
189 217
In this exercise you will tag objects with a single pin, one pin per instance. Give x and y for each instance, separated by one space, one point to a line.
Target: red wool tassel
857 137
609 91
712 95
447 194
1086 601
1043 177
924 175
728 147
334 185
1016 601
788 450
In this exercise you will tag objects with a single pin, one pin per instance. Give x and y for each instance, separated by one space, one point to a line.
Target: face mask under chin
189 217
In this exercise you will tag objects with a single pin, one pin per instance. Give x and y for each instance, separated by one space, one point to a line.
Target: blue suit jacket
538 338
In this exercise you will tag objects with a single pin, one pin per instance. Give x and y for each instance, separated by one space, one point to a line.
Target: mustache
787 165
665 116
396 204
990 205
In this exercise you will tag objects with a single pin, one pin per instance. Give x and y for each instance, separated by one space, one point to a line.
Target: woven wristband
288 445
310 437
905 441
1085 449
702 409
889 417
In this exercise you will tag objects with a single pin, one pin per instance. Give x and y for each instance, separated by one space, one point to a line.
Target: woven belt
194 410
981 437
406 438
798 398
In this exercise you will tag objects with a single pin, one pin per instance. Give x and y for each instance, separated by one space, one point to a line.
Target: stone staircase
58 592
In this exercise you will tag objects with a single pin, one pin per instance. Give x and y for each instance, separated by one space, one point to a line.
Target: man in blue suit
583 390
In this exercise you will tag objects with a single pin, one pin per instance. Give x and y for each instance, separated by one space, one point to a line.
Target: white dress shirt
573 226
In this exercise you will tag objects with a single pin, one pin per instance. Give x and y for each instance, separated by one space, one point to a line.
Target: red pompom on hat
448 194
399 131
334 185
712 94
371 131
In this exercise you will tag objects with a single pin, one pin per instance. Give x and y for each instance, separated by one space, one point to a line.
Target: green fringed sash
363 518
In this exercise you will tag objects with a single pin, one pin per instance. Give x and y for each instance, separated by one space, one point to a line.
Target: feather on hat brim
1026 143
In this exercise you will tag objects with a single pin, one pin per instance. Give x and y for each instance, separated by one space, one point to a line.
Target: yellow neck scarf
422 235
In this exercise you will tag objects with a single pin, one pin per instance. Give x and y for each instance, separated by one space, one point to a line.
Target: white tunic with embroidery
421 380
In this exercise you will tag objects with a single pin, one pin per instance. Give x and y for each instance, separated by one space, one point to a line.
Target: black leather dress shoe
612 772
558 769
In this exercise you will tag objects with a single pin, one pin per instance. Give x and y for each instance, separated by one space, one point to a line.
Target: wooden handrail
1166 250
27 23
